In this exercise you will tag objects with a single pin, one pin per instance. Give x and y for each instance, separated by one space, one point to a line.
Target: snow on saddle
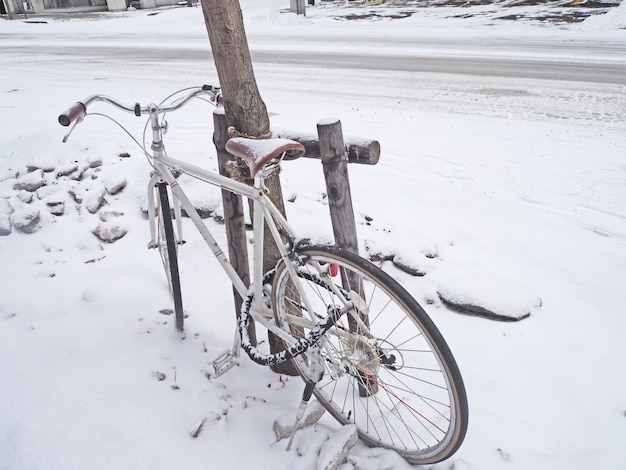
258 152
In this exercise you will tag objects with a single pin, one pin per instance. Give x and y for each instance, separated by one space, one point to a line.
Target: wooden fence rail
361 151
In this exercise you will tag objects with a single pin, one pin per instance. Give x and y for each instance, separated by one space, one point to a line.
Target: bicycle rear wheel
389 371
167 245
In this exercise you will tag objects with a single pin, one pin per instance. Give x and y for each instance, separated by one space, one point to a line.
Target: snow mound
410 259
612 19
488 296
335 450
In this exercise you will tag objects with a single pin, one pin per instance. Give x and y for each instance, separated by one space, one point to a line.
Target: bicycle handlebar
75 111
79 109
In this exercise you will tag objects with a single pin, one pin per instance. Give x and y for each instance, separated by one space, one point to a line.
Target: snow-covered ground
517 185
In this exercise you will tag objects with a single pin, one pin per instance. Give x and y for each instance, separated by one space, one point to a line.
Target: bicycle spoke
384 374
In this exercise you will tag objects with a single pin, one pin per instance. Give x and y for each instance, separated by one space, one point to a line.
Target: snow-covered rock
66 169
5 217
210 417
110 214
283 425
45 163
115 183
26 219
403 258
110 232
335 450
94 198
493 297
30 181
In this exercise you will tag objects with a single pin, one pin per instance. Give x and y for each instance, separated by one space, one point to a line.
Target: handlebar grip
75 111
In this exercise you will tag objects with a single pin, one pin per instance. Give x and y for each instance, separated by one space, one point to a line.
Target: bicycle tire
400 384
170 256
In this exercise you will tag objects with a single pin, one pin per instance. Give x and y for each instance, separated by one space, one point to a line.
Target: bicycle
362 344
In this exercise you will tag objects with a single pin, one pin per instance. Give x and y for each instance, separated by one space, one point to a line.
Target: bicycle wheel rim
414 404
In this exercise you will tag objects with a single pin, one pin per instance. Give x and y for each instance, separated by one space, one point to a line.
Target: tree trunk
245 110
244 107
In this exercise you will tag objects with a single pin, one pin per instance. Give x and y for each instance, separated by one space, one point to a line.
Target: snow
284 424
613 19
335 450
493 295
517 180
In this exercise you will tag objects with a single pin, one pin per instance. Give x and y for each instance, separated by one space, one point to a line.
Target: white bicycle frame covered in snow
362 344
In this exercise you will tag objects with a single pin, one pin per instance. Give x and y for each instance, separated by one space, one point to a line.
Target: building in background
24 7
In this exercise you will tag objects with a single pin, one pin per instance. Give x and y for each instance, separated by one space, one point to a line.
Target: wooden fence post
233 215
335 166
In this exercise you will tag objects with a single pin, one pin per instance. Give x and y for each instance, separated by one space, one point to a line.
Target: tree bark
234 217
245 110
244 107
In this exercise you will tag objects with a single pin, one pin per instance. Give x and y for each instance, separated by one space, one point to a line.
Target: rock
66 170
115 184
76 195
491 297
379 458
46 164
30 181
94 199
311 443
283 426
84 169
12 174
203 212
210 417
54 197
387 249
108 215
5 217
26 219
109 232
56 208
94 162
408 265
47 191
25 196
335 450
78 174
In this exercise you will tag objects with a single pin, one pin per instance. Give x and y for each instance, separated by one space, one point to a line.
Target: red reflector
333 269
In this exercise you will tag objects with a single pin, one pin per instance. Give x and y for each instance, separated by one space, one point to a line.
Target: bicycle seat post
264 173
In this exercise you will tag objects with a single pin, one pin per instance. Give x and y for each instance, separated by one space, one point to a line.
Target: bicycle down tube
265 212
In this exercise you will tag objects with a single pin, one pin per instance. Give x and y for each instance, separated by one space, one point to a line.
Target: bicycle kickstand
316 368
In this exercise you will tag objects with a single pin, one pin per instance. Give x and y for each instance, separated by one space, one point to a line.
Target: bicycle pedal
223 363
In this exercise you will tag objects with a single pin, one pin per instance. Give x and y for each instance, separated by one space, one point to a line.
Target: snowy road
573 61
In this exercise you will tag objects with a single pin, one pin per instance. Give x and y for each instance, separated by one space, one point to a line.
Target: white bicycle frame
359 355
264 212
